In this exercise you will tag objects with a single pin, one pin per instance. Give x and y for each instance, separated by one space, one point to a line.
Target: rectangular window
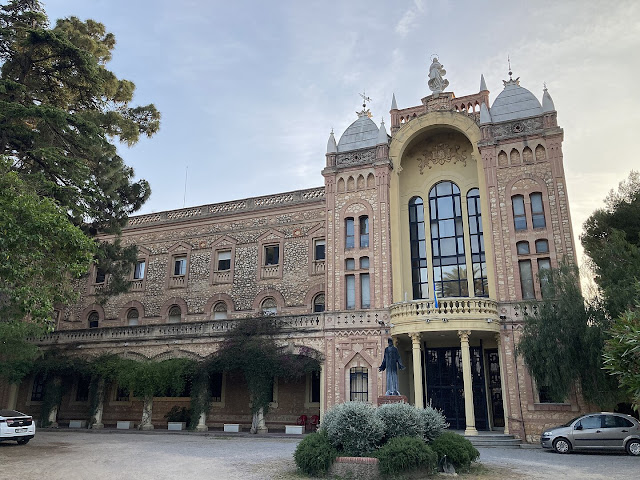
365 294
122 394
526 279
537 211
319 250
179 266
364 231
519 216
351 291
224 260
544 266
359 384
82 392
100 275
138 272
37 394
215 384
542 246
349 240
271 255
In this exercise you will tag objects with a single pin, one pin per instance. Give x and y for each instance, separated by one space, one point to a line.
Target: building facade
433 235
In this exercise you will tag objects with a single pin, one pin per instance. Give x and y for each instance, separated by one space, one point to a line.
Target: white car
16 426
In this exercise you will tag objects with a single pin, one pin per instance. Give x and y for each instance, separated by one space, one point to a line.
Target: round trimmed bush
400 420
433 423
353 428
459 451
404 454
315 454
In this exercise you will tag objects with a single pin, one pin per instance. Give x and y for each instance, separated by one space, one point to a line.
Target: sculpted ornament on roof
437 82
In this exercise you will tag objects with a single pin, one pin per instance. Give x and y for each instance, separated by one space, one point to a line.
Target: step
494 440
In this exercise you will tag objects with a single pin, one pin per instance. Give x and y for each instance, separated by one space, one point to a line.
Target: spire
332 147
547 101
483 85
485 116
394 105
382 135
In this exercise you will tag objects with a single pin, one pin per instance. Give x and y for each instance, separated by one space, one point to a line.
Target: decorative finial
365 110
510 72
544 85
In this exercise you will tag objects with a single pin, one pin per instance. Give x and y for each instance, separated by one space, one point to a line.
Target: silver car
603 430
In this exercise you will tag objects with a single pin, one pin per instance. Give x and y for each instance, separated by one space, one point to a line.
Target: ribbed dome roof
514 102
362 133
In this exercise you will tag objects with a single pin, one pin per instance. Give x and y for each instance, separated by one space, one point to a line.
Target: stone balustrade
448 308
270 271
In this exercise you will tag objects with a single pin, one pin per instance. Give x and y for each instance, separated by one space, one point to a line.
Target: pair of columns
469 411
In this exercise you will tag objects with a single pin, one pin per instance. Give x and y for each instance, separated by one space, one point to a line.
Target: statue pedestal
384 399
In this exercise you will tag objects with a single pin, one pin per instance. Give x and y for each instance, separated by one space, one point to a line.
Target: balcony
450 314
318 267
223 276
177 281
137 285
270 271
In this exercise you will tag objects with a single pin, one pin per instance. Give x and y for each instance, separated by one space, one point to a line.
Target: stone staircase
494 440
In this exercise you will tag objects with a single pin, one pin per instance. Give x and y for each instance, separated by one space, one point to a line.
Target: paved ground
113 455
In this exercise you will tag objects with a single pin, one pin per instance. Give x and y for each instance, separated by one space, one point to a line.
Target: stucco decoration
438 151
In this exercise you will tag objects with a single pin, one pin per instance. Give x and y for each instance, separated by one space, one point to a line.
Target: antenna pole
184 198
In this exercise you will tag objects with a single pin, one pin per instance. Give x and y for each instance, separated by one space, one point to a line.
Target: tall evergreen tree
61 114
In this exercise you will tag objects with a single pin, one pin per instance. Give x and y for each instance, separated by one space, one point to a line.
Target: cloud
410 18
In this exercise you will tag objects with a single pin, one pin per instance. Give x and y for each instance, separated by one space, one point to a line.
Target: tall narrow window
364 231
418 244
180 266
272 254
318 303
359 384
447 238
314 390
351 291
138 272
37 393
224 260
478 260
349 239
100 275
215 385
537 211
319 250
544 266
365 294
82 389
519 215
526 279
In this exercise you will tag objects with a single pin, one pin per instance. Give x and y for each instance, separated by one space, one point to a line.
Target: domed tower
357 227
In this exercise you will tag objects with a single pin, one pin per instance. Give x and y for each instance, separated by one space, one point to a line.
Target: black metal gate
445 386
495 388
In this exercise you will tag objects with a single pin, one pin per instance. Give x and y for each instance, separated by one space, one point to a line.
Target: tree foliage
61 113
622 354
563 338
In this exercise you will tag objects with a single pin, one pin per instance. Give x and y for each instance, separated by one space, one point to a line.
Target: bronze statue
391 362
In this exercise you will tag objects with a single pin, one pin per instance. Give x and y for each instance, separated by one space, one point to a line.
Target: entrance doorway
445 386
495 388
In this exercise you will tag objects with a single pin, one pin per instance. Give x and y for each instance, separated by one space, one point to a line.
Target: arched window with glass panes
418 245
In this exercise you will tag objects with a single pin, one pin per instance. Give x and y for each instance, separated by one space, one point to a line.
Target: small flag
435 295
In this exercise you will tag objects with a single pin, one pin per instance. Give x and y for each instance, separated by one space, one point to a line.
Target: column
97 416
469 413
505 394
323 398
147 411
56 385
13 396
417 370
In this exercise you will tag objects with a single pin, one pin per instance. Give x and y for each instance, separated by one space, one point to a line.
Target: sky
249 90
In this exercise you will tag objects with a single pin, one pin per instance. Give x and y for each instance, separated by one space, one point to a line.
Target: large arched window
447 240
417 236
480 283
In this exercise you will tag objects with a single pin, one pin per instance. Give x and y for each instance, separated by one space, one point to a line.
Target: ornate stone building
433 235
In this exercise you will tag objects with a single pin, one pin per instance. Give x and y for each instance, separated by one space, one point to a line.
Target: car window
610 421
623 422
592 421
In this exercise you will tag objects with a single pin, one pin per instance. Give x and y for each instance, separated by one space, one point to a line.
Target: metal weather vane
365 100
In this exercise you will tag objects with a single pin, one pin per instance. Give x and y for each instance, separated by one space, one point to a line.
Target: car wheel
561 445
23 441
633 447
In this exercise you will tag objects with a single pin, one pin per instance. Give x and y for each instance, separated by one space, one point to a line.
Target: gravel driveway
113 455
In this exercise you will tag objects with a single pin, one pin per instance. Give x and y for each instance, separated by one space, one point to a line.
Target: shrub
315 454
433 423
459 451
400 420
353 428
402 454
177 414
